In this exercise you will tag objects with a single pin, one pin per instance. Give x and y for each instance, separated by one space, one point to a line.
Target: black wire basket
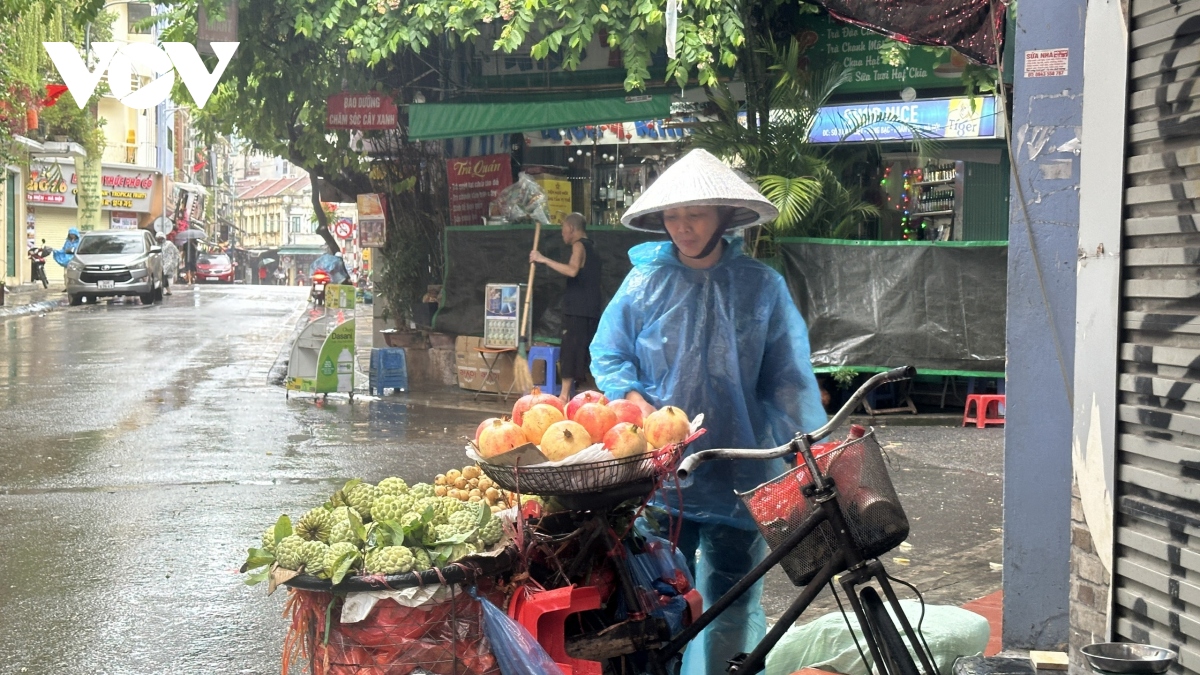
866 496
587 478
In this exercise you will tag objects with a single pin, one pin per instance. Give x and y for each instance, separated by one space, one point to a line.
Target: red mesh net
445 638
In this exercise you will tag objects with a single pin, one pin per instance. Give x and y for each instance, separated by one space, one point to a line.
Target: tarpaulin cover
431 121
939 307
972 27
499 254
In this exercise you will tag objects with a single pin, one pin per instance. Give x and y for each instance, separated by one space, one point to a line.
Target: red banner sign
474 182
365 111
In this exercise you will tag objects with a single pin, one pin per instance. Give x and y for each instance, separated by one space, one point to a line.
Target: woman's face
691 227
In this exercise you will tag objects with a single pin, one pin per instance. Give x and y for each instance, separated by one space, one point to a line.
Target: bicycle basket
865 495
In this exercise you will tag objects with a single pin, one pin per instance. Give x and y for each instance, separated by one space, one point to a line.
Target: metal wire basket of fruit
566 462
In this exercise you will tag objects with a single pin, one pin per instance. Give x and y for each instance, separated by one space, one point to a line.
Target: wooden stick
537 235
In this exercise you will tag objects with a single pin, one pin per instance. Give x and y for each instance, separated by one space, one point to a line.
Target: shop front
127 201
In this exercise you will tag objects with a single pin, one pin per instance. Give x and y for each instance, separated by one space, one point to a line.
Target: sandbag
826 643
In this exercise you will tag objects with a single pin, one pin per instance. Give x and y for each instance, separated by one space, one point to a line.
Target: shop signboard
940 118
372 223
55 184
123 220
828 43
474 182
361 111
617 133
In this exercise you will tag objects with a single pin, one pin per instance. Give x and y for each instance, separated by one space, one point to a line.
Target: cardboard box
472 368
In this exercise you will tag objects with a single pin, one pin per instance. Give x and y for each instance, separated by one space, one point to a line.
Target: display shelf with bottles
936 204
615 186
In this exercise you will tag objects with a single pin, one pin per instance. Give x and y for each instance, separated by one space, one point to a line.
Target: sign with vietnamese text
363 111
943 118
54 184
474 182
1046 62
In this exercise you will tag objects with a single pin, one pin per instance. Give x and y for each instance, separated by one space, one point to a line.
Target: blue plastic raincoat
725 341
67 252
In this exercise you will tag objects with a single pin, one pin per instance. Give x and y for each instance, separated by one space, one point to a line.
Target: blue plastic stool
389 370
549 356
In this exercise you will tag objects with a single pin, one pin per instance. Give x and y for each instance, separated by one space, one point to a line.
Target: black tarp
939 307
481 255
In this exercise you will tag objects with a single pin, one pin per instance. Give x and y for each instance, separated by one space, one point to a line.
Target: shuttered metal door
1157 559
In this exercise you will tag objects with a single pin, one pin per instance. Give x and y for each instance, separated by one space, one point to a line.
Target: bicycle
847 529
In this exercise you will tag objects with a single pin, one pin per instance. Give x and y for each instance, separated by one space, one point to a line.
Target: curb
32 308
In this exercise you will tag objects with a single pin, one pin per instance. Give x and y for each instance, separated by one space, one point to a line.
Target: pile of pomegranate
562 431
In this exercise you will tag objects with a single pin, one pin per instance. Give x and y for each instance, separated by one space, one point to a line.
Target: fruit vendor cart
322 359
389 578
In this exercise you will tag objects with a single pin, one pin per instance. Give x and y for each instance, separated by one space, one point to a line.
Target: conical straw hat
699 179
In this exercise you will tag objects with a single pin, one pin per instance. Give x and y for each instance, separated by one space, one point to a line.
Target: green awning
300 249
431 121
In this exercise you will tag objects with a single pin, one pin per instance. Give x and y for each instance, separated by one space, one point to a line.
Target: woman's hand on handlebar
641 402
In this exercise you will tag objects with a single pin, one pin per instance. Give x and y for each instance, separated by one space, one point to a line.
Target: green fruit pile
366 529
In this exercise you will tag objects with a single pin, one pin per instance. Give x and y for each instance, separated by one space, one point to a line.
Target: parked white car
109 263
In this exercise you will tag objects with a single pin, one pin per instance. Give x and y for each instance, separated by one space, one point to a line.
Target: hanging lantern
31 119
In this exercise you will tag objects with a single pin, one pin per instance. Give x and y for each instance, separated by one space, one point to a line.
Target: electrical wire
920 620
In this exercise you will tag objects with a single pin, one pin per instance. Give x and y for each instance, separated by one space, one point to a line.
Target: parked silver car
116 262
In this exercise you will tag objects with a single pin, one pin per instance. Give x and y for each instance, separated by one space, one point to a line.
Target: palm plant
774 146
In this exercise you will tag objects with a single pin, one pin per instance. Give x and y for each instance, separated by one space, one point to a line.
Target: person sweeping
581 302
699 325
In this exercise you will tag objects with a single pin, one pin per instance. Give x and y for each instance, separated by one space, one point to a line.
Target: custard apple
289 552
338 550
314 525
464 521
342 531
343 513
491 532
445 532
387 507
393 486
421 561
439 509
268 539
461 551
453 505
313 553
361 497
421 490
389 560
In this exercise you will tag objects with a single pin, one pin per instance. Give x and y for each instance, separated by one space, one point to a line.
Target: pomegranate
597 418
666 426
627 411
539 418
564 439
625 440
499 438
483 425
534 397
582 398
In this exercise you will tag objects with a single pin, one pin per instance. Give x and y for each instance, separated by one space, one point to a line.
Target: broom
523 379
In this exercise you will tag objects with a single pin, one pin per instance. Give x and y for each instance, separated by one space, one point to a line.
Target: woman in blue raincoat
67 252
699 325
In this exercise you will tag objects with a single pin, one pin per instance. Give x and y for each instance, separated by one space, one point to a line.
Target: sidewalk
32 299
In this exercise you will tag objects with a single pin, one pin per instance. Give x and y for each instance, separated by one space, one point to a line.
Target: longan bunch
471 485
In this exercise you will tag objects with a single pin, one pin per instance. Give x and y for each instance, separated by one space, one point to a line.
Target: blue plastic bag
516 652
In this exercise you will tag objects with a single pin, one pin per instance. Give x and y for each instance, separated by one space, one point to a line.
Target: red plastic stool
984 404
543 615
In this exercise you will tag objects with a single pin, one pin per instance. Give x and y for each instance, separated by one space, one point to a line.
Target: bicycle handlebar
683 473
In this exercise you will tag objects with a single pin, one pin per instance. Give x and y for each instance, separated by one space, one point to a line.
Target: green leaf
283 528
341 566
256 558
258 576
792 196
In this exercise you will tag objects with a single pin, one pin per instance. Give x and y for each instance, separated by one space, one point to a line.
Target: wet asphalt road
142 450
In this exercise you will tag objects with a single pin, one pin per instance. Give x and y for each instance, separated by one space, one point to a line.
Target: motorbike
37 263
320 279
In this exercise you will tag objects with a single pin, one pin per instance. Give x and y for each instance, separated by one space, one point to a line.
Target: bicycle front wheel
896 657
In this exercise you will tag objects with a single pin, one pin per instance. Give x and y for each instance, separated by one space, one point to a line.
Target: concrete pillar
1043 238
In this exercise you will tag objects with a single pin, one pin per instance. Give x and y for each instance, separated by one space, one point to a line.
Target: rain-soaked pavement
142 450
